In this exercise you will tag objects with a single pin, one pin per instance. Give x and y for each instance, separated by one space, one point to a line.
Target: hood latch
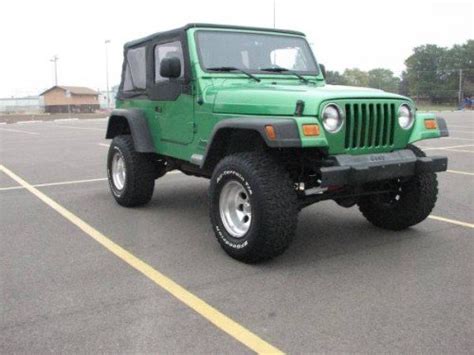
299 108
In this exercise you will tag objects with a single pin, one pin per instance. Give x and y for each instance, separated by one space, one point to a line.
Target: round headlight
405 117
332 118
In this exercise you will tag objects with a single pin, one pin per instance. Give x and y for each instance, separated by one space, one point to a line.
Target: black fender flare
138 125
286 129
442 126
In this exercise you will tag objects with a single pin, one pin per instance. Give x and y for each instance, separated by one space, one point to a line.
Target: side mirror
323 69
170 68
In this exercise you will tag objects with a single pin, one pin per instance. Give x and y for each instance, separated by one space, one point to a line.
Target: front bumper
359 169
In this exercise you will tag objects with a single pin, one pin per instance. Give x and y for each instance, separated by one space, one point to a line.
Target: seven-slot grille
369 125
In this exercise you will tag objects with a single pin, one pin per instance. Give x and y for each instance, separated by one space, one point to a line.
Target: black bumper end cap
442 126
433 164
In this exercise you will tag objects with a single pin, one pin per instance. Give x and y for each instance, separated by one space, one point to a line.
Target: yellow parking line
459 172
452 221
220 320
53 184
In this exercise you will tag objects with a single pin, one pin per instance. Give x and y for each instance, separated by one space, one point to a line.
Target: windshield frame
312 57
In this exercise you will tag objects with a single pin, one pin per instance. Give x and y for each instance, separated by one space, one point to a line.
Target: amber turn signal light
430 124
311 130
270 131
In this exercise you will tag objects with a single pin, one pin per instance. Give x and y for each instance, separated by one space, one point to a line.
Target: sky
343 34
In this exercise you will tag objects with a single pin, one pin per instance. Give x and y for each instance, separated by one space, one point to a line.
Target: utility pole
55 61
460 94
274 13
107 41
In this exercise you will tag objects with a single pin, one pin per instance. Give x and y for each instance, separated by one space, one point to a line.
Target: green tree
433 72
403 87
383 79
460 58
334 78
426 79
356 77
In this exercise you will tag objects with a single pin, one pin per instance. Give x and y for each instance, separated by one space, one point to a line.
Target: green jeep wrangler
249 109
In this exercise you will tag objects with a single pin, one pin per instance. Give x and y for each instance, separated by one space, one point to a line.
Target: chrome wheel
119 173
235 209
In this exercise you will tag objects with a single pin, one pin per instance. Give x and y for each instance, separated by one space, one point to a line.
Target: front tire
253 206
411 202
131 174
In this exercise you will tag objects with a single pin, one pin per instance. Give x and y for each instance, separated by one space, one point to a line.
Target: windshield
254 52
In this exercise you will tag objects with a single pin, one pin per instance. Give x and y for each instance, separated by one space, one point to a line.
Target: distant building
27 104
103 98
62 99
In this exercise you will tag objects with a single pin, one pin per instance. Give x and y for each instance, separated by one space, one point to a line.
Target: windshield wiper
229 69
277 69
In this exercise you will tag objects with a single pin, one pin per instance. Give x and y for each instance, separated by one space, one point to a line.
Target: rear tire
131 174
253 206
412 202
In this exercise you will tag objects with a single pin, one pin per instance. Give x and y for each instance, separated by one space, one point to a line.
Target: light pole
274 13
107 41
55 61
460 95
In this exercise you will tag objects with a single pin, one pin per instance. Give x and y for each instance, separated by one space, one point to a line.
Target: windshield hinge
299 108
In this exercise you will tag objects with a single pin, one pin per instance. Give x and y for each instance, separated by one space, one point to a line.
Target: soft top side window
135 70
167 50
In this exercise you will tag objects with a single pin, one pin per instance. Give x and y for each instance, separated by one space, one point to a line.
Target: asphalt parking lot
81 274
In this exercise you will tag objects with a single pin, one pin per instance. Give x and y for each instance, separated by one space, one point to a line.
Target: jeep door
172 96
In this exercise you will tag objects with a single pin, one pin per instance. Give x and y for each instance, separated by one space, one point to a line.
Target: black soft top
181 30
